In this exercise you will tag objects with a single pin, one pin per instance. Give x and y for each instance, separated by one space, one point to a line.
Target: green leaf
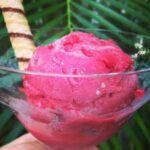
50 25
102 21
105 146
4 118
142 126
137 7
116 16
133 137
144 4
45 13
8 80
17 129
115 142
89 25
90 13
35 5
54 37
129 10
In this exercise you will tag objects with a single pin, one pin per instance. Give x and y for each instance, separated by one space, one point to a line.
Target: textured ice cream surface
80 100
80 53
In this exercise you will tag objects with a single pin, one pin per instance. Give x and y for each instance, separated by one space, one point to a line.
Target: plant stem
69 23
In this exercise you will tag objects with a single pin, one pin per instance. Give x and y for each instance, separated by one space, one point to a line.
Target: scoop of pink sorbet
80 53
81 99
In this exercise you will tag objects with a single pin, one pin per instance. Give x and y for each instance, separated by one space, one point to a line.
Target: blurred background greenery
45 15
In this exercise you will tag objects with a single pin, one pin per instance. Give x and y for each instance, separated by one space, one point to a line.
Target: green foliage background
45 15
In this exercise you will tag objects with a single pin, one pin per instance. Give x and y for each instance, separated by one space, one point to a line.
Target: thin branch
69 22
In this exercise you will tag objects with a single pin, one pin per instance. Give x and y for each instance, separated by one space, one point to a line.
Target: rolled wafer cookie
19 30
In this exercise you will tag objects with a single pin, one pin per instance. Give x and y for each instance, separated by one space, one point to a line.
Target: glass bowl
81 110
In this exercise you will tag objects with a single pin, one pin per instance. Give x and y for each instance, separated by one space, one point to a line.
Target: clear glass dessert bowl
94 107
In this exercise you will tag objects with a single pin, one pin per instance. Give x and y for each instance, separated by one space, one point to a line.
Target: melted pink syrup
77 134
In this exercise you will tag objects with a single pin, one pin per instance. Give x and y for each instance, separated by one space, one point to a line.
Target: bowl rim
44 74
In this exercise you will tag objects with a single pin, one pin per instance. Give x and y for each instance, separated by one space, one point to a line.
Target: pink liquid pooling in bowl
63 131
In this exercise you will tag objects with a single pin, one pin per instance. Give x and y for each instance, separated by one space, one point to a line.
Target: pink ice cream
80 100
